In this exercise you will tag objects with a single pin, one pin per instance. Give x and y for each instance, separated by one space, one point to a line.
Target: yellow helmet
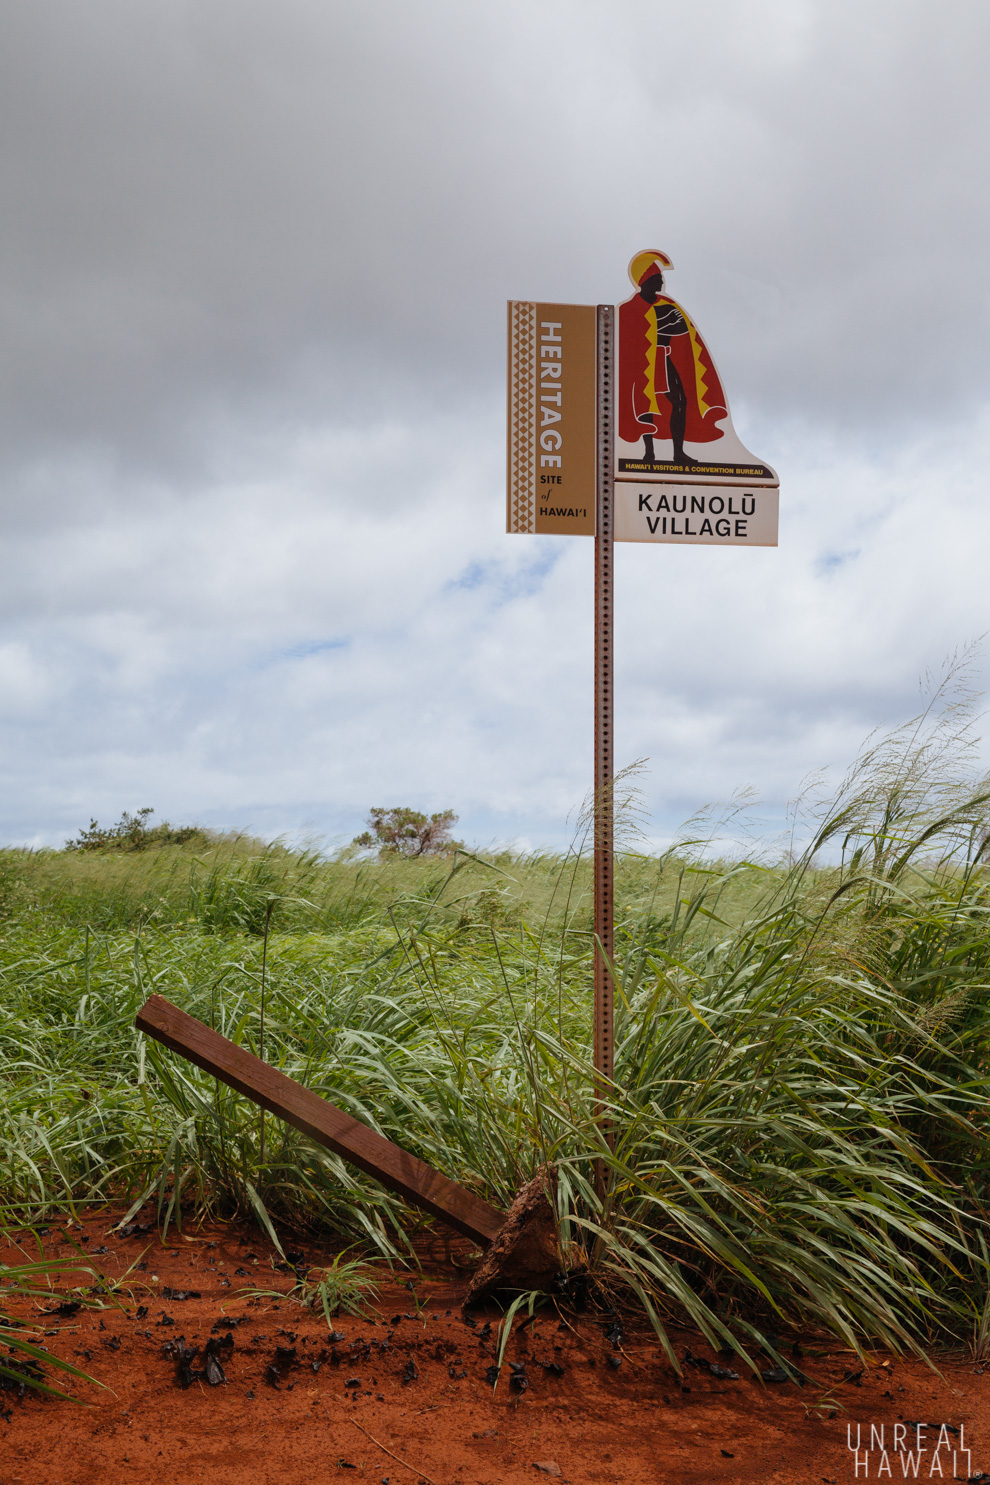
646 263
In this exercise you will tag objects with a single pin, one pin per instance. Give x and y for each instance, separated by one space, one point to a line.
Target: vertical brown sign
551 453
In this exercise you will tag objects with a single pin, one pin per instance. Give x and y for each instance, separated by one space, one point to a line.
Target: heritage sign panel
551 422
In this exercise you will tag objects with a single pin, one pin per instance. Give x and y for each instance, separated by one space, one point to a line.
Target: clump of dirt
526 1253
228 1379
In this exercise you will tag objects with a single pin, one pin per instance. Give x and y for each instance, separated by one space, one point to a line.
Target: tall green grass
801 1099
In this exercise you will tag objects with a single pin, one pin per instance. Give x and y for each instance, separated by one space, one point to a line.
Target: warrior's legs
648 438
677 398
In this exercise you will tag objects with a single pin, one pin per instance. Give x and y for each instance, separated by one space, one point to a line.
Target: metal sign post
603 805
665 465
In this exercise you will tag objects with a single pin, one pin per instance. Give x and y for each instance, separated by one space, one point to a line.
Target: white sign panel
707 515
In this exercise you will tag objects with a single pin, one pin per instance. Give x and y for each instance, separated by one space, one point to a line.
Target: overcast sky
255 261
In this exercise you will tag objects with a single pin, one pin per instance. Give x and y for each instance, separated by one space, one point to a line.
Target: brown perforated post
604 550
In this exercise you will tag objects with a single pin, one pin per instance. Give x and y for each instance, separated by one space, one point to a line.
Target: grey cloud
248 212
254 272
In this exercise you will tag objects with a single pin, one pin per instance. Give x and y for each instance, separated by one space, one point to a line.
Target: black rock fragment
410 1373
227 1323
614 1334
141 1312
723 1373
112 1342
518 1381
456 1376
165 1320
134 1229
775 1374
183 1356
218 1349
212 1370
615 1362
574 1288
67 1308
19 1369
179 1294
491 1375
553 1368
353 1382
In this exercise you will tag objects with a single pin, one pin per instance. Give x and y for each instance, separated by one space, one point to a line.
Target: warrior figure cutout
669 392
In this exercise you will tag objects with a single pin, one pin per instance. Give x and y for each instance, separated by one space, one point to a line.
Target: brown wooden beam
329 1126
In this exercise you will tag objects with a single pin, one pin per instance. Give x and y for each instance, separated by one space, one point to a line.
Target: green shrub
134 833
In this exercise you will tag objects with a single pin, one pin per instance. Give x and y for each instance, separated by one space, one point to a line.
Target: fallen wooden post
329 1126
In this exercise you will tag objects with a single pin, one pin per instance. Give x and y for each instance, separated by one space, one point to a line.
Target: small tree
404 832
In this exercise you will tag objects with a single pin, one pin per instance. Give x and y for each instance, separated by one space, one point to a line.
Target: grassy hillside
802 1093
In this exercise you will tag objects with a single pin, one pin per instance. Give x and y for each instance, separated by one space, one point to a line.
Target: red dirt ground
637 1422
